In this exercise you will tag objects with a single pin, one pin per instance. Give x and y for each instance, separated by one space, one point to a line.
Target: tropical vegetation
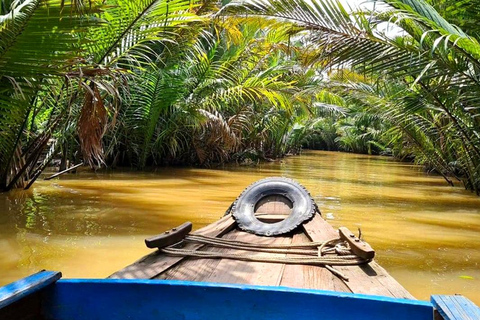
143 83
420 64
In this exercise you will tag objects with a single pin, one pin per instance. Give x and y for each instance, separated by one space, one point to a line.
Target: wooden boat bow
368 278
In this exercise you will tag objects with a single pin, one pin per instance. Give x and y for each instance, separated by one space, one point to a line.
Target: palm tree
436 61
61 65
199 106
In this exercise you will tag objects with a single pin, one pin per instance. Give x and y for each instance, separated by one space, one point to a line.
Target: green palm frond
54 54
40 40
131 27
431 57
199 106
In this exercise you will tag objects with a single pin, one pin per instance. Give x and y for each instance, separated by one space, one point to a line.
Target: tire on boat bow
303 206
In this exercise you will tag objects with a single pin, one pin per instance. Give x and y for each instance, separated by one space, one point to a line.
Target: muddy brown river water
426 233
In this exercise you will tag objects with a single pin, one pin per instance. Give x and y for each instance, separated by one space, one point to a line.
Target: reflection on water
426 233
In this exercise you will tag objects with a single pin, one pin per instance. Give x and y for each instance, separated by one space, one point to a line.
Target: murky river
426 233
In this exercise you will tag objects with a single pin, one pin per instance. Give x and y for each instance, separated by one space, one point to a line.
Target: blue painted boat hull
76 299
147 299
43 296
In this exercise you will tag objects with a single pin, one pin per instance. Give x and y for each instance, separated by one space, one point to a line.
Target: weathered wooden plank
195 269
366 279
274 204
259 273
455 307
270 274
293 274
373 279
310 277
155 263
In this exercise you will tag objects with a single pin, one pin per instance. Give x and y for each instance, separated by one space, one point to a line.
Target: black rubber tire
303 206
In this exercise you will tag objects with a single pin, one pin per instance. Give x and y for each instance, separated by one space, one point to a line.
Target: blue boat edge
58 299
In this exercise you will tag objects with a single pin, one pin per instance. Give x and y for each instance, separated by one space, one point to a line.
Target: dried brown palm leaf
219 130
92 125
216 139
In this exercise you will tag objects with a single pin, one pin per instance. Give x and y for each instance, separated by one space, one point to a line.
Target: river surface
425 233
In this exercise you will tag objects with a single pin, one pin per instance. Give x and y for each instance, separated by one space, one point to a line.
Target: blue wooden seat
24 287
455 307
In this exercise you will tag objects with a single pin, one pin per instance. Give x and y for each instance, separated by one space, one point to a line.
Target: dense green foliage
62 68
422 77
213 101
143 83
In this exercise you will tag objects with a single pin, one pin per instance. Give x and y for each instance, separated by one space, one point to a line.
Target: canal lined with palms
426 233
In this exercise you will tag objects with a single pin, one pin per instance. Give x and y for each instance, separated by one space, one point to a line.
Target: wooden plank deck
310 277
366 279
155 263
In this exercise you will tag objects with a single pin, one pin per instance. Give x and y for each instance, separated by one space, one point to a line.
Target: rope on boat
333 252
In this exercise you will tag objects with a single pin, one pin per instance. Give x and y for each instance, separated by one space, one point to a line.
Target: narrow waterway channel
426 233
